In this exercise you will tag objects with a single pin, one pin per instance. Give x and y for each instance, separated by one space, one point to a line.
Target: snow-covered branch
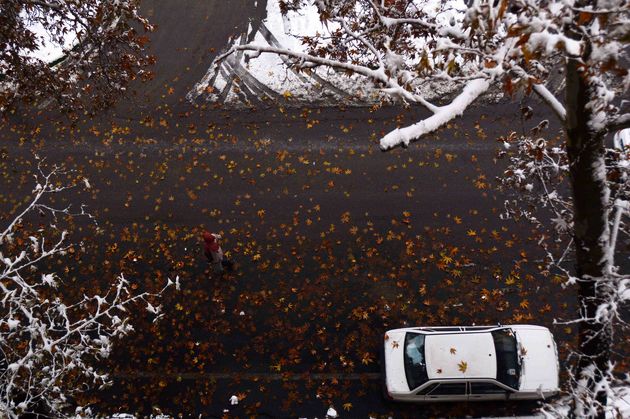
441 116
305 61
402 48
49 346
551 100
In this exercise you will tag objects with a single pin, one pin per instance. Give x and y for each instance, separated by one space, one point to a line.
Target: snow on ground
246 78
621 402
618 405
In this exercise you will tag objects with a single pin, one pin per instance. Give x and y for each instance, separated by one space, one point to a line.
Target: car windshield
508 363
415 365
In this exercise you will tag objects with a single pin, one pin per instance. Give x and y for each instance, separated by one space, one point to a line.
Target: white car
621 140
470 363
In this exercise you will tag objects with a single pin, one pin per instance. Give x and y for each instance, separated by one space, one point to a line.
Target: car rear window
415 363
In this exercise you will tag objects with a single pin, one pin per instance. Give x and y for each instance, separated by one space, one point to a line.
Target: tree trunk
585 147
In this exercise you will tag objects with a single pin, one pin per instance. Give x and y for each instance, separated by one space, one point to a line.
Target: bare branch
42 3
48 345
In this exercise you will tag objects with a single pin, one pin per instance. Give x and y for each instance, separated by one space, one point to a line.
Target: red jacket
211 248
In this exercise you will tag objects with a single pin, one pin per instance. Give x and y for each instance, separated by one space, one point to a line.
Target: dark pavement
335 241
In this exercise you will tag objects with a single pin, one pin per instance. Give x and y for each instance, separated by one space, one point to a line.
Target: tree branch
551 100
444 114
545 95
393 88
619 123
45 4
389 21
620 208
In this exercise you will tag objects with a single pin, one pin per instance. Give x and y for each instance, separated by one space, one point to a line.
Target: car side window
486 388
450 389
427 389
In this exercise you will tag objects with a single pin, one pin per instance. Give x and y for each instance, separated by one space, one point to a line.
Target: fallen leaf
462 366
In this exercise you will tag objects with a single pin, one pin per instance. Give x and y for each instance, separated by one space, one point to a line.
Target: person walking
213 252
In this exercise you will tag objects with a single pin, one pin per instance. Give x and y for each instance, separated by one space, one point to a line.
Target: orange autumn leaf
462 366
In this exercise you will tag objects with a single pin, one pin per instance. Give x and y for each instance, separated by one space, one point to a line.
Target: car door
486 390
448 391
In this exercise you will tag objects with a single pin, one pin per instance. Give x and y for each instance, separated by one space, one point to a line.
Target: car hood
395 378
539 368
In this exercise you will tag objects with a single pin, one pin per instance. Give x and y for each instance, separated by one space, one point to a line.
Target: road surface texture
335 241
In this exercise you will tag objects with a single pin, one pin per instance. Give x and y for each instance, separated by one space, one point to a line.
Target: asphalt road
335 241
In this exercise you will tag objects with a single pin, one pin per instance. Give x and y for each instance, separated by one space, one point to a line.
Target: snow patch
549 42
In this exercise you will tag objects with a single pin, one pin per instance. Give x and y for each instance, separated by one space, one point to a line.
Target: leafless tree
50 346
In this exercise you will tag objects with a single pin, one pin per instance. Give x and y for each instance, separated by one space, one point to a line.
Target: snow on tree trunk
585 147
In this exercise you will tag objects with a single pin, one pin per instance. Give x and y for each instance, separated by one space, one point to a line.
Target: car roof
460 355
